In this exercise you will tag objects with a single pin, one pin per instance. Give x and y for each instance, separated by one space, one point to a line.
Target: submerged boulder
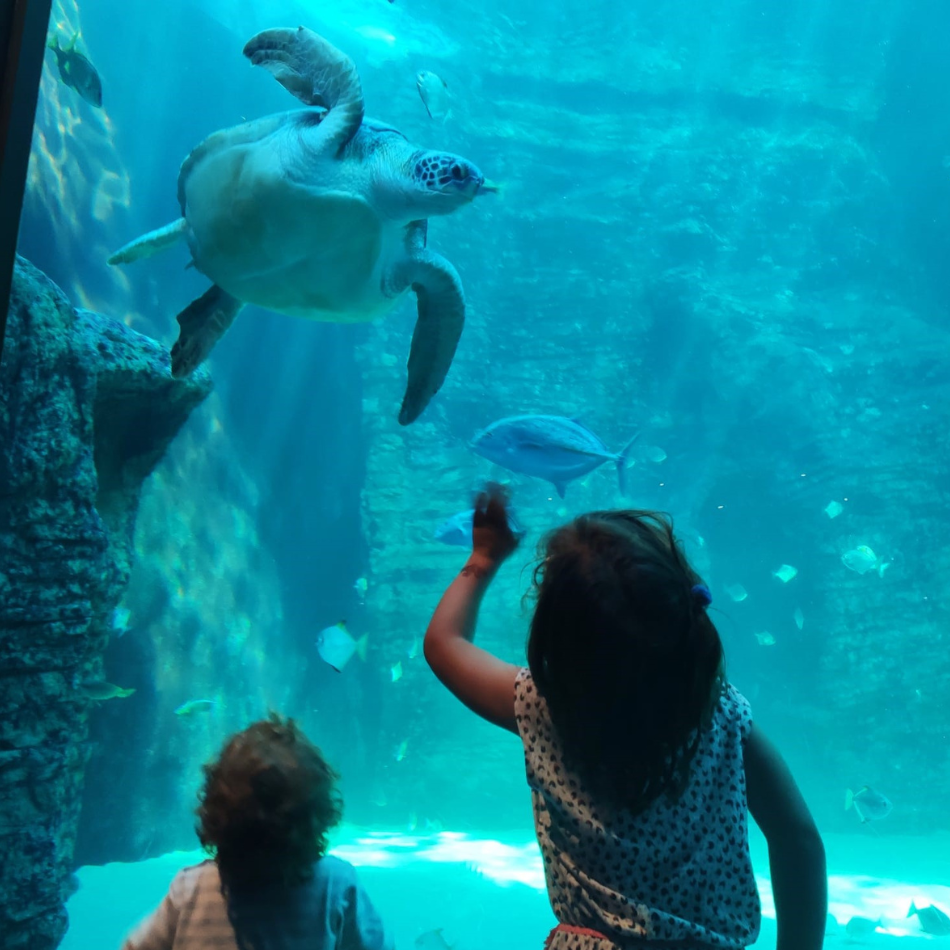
87 409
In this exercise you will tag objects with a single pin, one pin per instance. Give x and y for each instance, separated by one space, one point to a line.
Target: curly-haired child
266 807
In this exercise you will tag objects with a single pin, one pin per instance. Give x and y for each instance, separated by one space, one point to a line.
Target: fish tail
622 460
361 646
848 799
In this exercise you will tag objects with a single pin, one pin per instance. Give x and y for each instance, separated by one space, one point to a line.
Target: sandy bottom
489 892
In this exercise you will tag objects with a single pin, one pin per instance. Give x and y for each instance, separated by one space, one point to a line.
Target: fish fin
341 624
361 646
912 910
848 799
426 104
883 567
53 43
622 459
561 489
189 265
72 42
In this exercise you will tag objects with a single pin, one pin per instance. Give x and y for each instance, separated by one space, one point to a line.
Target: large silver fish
554 448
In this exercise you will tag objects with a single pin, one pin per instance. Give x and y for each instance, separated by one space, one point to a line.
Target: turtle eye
457 173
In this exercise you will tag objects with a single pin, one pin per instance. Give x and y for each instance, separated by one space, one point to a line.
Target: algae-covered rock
87 409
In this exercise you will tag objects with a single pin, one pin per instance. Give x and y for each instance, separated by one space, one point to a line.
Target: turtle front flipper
203 322
314 71
441 316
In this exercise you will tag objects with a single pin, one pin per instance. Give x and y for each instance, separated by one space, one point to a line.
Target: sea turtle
319 213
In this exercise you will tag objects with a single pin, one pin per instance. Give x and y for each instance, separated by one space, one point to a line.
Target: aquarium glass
712 234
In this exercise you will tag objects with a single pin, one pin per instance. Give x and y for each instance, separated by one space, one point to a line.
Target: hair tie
701 593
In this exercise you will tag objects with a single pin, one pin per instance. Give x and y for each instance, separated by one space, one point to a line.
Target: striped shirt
329 912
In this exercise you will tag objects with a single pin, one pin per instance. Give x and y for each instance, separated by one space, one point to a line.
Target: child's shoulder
191 877
334 871
736 708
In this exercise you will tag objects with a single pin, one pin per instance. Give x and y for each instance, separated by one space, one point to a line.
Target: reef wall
87 409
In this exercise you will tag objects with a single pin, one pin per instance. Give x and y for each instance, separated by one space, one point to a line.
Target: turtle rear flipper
316 72
441 316
151 243
203 322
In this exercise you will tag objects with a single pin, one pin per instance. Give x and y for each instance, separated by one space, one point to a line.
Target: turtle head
445 181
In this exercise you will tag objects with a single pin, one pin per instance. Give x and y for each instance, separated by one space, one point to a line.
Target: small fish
193 706
932 919
99 690
336 647
414 648
400 752
76 71
765 639
785 573
395 671
433 940
868 804
413 821
554 448
861 926
799 618
654 453
833 509
737 592
862 559
361 586
434 93
120 620
457 530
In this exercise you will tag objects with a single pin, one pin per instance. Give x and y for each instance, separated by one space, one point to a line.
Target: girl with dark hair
642 760
265 810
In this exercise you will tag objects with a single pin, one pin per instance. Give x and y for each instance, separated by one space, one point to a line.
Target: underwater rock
87 409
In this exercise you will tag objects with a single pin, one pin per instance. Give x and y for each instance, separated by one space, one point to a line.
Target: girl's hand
492 538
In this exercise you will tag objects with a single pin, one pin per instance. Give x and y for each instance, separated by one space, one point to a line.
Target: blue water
725 225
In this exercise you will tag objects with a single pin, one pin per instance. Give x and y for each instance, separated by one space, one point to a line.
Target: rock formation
87 409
